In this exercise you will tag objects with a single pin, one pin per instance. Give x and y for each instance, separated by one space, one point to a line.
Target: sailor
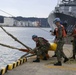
54 34
60 34
42 47
74 41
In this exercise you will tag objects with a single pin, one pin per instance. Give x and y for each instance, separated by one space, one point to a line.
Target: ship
66 11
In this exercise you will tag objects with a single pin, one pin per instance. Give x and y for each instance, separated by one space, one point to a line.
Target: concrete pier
47 67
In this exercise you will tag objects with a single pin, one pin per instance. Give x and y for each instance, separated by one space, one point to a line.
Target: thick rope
9 46
15 39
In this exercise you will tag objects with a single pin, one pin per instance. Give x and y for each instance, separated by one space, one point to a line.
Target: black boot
73 56
37 60
44 58
65 60
58 64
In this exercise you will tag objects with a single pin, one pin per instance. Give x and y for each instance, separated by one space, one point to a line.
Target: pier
46 67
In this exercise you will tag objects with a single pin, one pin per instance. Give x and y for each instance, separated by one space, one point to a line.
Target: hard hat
34 36
56 20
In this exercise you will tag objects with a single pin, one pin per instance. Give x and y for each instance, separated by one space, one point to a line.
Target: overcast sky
27 8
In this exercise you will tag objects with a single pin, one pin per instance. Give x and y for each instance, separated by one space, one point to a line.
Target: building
9 21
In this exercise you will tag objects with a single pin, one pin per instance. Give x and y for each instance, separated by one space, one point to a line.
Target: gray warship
66 11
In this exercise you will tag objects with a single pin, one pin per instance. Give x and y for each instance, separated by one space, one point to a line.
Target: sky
27 8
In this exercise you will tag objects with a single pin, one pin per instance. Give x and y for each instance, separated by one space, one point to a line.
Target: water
24 34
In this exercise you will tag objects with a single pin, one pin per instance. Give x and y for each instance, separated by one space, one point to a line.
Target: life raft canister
53 47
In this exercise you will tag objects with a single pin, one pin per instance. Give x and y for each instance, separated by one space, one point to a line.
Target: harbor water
23 34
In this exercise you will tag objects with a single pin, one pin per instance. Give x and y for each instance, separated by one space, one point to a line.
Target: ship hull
69 19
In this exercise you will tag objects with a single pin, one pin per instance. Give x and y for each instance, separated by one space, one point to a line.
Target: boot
73 56
58 64
65 60
44 58
37 60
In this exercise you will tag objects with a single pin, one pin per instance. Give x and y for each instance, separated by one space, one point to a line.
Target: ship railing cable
6 12
44 29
